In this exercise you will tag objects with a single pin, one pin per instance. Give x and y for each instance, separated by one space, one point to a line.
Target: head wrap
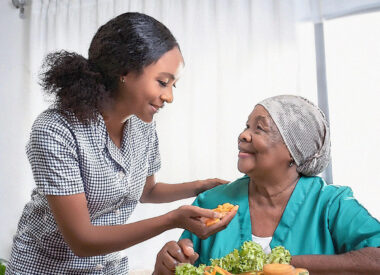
304 129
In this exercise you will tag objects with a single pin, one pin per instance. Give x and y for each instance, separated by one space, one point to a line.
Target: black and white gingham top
68 157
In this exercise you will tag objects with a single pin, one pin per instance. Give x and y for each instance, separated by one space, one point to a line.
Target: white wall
14 135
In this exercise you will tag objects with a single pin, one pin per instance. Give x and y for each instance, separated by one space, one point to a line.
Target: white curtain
236 53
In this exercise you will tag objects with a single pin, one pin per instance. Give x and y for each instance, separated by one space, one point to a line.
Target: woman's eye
258 127
162 83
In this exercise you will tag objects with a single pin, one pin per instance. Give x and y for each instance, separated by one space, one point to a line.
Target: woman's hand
172 254
192 218
207 184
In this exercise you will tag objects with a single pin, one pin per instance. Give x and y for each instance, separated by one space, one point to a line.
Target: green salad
188 269
250 257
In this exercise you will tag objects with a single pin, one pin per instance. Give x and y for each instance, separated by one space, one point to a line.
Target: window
352 46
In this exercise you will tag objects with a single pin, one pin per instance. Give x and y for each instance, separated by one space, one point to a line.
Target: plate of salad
250 259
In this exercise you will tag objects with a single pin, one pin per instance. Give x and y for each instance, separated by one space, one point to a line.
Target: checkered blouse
68 157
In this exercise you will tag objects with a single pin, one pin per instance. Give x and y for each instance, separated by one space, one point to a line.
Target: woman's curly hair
127 43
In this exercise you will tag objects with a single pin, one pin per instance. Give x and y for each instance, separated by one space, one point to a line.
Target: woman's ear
291 162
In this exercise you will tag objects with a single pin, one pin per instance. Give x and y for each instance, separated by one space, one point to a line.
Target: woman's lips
245 155
155 108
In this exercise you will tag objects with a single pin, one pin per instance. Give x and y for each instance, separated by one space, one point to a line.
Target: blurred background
237 52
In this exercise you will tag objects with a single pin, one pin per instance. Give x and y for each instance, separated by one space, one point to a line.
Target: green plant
3 264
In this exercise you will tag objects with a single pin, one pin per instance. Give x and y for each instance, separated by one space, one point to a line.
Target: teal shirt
318 219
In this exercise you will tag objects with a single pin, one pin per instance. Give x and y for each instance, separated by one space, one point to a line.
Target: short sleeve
350 224
154 159
53 157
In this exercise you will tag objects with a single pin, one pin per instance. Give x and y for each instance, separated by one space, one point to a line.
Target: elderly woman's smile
244 154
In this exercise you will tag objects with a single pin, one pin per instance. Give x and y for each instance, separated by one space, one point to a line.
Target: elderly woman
285 144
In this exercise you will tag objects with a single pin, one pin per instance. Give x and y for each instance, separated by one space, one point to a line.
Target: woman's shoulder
52 122
51 117
232 188
328 192
231 192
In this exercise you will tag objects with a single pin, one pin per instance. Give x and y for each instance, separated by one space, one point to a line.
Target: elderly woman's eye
258 127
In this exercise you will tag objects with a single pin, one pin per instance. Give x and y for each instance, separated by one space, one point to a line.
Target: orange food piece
220 270
210 221
216 269
278 269
223 210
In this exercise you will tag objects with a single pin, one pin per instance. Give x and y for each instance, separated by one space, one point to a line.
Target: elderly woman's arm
363 261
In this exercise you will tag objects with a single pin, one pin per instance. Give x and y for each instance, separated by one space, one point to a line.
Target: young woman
95 152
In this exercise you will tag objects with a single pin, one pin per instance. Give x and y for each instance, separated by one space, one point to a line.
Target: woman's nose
245 136
167 96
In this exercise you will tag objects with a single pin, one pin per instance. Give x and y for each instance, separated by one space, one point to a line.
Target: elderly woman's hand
172 254
192 218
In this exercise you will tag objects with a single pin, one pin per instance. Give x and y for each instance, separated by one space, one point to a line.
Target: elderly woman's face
261 148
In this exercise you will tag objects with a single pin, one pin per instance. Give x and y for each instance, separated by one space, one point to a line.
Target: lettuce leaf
230 262
252 257
279 255
249 257
188 269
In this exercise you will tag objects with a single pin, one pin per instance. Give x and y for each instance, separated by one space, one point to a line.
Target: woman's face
144 94
261 148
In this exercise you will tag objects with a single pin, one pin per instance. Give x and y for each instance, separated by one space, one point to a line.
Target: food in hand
223 210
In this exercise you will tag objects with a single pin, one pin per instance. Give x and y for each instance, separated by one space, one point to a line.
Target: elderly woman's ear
291 163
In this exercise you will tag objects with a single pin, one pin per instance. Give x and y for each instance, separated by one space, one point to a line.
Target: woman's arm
163 192
364 261
84 239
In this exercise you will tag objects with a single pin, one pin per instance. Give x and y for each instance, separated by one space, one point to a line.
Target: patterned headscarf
304 129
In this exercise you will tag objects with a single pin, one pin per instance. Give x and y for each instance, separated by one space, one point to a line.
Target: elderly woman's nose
245 136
